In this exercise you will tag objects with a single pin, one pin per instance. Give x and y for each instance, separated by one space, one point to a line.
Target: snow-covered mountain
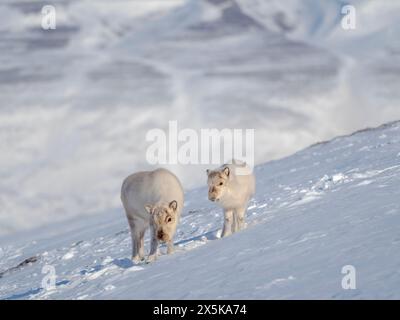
76 102
331 205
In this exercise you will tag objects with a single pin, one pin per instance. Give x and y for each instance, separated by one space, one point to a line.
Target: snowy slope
330 205
76 103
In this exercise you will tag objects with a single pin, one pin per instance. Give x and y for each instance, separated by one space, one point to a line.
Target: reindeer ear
173 205
149 208
226 171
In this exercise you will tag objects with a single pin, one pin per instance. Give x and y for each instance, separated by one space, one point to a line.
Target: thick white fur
233 195
148 198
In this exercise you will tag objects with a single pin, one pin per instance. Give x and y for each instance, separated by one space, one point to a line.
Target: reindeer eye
221 183
169 219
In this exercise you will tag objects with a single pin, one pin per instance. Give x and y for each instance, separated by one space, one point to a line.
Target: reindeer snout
212 197
162 236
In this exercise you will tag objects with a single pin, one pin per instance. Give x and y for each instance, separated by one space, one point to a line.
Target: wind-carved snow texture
77 102
333 204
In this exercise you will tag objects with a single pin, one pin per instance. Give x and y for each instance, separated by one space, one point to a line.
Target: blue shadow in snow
124 263
209 235
94 269
33 291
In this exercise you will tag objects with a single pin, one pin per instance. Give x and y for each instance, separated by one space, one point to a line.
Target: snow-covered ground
330 205
76 102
